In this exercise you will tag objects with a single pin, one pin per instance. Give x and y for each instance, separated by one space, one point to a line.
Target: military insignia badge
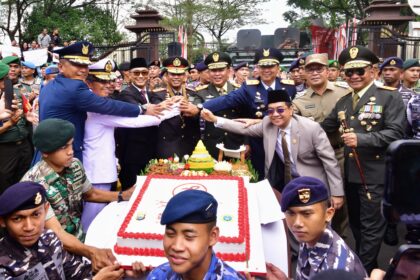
108 66
85 49
392 62
38 198
215 57
301 61
176 62
304 195
353 52
266 52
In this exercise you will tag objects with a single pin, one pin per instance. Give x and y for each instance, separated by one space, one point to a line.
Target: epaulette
235 84
300 94
386 87
201 87
252 82
190 88
288 82
342 84
160 89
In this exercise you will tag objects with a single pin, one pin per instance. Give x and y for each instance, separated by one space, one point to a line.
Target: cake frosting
200 158
141 232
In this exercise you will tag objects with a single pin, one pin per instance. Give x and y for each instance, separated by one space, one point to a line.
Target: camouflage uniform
47 260
330 252
217 270
406 93
413 115
64 193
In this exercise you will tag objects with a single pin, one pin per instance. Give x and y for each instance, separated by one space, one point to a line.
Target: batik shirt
218 270
46 260
330 252
64 193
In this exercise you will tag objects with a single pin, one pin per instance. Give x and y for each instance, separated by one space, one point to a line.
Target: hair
211 225
326 204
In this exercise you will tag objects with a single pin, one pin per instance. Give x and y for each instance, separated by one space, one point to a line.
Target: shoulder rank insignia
201 87
159 89
386 87
288 82
341 84
235 84
252 82
190 89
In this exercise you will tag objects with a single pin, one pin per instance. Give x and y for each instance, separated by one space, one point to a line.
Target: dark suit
375 131
213 135
135 146
70 99
178 135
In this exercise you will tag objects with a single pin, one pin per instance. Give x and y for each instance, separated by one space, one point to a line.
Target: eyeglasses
138 73
317 70
279 110
357 71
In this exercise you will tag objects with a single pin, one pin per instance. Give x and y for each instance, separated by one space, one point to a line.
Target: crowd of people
76 136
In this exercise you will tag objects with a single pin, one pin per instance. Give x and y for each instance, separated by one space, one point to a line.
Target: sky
273 13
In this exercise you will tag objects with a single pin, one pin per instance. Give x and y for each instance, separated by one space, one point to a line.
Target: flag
26 106
185 48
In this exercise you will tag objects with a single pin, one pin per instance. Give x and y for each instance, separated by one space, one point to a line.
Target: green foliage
88 22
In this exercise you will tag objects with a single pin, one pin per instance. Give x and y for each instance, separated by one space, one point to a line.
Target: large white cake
141 232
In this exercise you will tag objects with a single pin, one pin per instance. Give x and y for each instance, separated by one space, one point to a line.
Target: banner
323 40
10 51
37 57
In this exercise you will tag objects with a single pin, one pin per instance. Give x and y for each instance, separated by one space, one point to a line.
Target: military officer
194 76
391 70
334 70
177 135
372 117
306 204
296 73
204 71
68 97
241 72
190 219
411 73
317 103
219 65
251 97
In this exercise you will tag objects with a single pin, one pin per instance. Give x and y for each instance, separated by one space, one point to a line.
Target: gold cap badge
108 66
266 52
85 49
304 195
302 61
353 52
38 198
176 62
215 57
392 62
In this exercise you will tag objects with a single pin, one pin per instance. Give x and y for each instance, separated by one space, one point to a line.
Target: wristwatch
144 108
120 196
200 107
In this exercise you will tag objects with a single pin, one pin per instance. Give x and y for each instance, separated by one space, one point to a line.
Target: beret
240 65
51 134
53 69
333 64
411 63
154 63
201 66
4 70
21 196
11 59
268 57
392 61
357 57
28 64
303 191
278 96
190 206
332 274
218 60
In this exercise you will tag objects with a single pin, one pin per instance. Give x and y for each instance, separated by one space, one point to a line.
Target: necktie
143 99
355 100
269 89
286 156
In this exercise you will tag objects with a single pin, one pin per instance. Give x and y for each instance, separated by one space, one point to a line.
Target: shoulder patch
252 82
201 87
386 87
235 84
288 82
341 84
160 89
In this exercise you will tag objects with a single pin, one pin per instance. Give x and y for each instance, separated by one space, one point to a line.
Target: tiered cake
141 233
200 158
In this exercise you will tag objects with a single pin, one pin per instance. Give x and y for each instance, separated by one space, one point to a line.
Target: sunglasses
279 110
357 71
138 73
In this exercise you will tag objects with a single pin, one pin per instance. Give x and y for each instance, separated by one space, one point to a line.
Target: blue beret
331 274
53 69
297 63
393 61
78 53
28 64
303 191
190 206
201 66
411 63
52 134
21 196
240 65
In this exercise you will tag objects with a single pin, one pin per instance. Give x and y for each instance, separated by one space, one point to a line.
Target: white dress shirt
272 86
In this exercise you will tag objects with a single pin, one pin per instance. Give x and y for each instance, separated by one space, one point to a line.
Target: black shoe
391 236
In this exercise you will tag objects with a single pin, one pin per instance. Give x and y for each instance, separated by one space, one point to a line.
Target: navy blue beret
297 63
303 191
52 134
201 66
21 196
190 206
393 61
240 65
413 62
